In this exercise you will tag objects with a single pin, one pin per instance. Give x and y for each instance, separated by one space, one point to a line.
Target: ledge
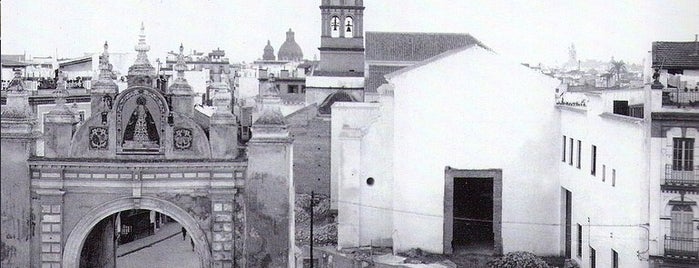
578 109
622 118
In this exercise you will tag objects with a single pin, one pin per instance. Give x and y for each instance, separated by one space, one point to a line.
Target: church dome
269 52
290 50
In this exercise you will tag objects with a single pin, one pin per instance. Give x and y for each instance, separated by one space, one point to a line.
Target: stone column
48 211
222 228
269 192
58 132
18 144
223 128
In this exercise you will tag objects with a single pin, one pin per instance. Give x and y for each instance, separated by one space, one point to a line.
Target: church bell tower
342 36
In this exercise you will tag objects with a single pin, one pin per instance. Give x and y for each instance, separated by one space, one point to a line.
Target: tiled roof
376 78
671 55
397 46
407 47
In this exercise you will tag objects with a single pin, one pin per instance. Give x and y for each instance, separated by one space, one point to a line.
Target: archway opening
138 238
80 232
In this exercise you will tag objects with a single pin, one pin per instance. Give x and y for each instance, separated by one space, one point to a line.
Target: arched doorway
77 236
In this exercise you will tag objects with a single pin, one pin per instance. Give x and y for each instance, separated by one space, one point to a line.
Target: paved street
165 250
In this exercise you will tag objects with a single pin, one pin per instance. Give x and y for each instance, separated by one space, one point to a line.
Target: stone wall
311 138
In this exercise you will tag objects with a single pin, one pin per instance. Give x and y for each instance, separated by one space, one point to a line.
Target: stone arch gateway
76 237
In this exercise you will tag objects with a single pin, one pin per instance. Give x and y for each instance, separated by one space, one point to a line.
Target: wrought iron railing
681 177
680 247
681 97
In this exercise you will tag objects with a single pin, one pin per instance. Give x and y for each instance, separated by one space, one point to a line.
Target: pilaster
269 192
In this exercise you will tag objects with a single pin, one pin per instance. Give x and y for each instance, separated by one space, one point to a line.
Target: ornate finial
104 83
61 91
181 66
17 82
656 82
180 85
141 72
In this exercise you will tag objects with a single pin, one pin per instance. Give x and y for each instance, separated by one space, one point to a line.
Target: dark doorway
473 214
567 200
472 211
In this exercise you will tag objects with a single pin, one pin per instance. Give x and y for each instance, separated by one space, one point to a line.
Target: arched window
335 26
349 27
681 221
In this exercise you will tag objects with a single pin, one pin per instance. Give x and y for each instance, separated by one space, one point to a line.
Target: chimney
696 44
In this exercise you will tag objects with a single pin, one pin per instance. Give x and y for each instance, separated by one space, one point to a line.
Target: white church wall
475 110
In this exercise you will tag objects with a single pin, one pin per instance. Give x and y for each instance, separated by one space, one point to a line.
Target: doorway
473 211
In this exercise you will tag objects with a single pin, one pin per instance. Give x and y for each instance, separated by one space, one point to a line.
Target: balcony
689 178
681 97
682 248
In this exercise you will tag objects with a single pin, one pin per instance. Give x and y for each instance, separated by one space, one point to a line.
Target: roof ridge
422 33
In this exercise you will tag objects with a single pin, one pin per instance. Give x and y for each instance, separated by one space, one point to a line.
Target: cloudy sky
527 30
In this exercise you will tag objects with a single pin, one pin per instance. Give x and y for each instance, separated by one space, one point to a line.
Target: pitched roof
428 61
406 48
375 77
402 46
671 55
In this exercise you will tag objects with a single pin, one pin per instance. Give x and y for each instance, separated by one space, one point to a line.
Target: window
563 158
681 221
683 154
579 154
604 172
615 259
349 28
593 258
570 160
613 177
593 164
335 26
621 107
580 236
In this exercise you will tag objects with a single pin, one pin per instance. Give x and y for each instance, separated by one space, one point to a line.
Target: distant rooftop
676 55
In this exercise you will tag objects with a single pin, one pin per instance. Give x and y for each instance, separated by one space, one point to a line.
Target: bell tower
342 37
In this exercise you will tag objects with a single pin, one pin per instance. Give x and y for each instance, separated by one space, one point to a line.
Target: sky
528 31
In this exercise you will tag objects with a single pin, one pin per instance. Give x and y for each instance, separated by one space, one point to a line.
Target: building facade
142 149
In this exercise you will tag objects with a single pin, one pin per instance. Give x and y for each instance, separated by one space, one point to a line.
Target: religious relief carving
107 102
99 138
141 133
182 139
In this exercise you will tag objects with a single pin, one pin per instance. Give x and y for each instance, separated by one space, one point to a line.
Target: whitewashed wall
610 212
476 110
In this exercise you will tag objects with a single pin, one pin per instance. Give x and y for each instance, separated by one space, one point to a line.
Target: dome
269 52
290 50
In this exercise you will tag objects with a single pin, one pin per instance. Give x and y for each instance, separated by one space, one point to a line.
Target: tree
617 68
